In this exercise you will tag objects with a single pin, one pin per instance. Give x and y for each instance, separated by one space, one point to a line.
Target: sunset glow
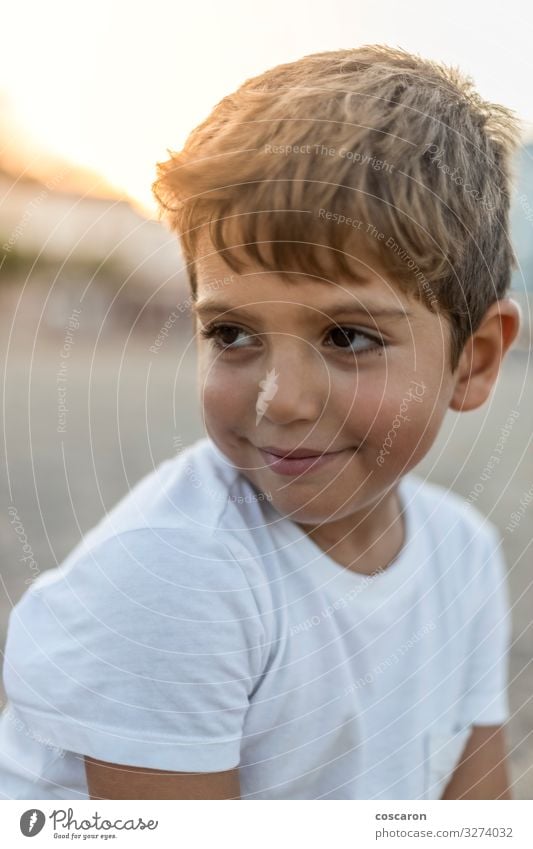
110 85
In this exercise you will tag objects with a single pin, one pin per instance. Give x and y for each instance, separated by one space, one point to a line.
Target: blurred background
98 367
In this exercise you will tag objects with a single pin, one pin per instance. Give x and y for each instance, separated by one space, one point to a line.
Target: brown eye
344 338
341 337
223 336
227 335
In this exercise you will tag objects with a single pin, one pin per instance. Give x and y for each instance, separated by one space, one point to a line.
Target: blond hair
371 147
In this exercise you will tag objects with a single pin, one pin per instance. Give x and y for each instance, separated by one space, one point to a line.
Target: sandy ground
129 408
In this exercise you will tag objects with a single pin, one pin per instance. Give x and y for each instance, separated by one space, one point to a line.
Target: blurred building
64 246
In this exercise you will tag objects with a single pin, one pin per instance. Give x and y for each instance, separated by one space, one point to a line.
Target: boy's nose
295 386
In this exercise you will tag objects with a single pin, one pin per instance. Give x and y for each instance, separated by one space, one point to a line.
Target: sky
111 85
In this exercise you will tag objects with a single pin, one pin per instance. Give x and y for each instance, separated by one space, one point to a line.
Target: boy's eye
346 339
217 332
225 337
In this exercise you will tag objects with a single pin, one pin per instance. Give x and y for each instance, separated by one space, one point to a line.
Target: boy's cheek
406 427
218 394
402 411
226 400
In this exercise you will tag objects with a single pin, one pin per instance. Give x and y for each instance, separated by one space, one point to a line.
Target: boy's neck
370 546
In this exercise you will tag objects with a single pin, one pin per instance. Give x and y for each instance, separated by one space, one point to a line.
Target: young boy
284 610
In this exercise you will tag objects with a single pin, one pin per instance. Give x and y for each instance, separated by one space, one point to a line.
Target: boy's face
299 372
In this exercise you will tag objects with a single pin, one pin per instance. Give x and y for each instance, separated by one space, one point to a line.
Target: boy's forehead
218 284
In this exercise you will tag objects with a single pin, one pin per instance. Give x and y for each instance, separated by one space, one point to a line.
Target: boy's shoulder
187 492
446 512
173 519
460 548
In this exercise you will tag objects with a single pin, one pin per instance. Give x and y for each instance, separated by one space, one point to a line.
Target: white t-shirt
196 629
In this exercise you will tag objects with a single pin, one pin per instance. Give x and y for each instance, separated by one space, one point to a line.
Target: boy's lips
299 461
296 453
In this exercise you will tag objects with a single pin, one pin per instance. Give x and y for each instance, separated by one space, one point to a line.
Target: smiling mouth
297 453
292 465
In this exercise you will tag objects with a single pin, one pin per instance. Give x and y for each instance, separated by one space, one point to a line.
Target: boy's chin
321 511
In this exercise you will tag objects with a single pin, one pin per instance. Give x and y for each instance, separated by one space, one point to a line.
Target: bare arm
117 781
482 770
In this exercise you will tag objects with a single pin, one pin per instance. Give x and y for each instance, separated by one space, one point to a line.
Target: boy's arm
482 770
117 781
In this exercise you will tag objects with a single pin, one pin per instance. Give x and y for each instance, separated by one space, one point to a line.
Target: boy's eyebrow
211 305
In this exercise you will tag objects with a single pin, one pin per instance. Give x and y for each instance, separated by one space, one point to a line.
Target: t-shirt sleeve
486 699
142 652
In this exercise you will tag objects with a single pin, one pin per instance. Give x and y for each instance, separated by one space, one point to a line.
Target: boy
284 610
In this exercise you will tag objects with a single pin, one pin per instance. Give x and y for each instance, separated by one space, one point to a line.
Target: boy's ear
483 353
